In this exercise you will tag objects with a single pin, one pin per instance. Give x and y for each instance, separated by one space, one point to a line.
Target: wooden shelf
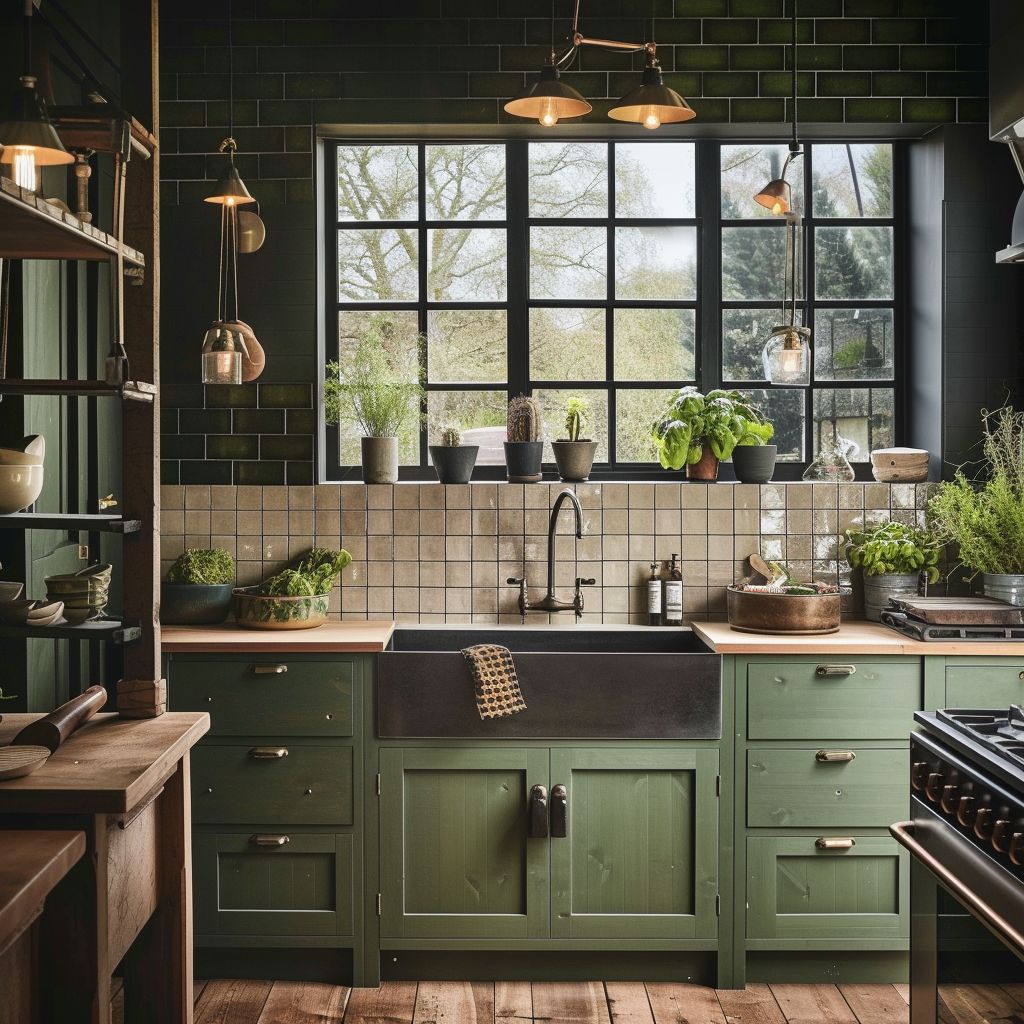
110 630
133 391
99 127
83 522
31 228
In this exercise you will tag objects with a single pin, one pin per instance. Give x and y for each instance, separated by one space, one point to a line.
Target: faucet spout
560 500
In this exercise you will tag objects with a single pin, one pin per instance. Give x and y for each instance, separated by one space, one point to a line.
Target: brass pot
785 614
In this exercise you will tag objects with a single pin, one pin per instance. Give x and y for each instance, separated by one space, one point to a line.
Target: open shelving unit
109 629
81 522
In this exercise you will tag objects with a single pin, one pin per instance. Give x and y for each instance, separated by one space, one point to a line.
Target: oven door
966 926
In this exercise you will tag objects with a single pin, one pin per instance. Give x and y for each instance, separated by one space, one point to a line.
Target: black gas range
966 840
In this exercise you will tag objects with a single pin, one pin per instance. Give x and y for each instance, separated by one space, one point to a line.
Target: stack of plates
31 613
84 593
899 465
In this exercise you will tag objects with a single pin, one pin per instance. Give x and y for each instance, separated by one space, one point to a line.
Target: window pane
656 263
747 169
465 182
853 344
754 264
853 263
636 410
568 263
397 330
377 183
377 265
655 179
567 344
478 415
466 265
654 344
744 335
862 415
568 179
853 180
467 345
552 405
785 408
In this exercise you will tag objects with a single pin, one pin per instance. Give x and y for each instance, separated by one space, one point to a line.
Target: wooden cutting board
961 611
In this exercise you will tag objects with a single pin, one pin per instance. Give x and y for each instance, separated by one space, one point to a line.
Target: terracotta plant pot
575 459
380 460
706 469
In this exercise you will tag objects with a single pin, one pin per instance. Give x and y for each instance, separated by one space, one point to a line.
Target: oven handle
903 833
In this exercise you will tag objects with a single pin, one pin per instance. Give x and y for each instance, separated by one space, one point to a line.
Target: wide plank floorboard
570 1002
304 1002
904 991
753 1005
628 1002
684 1004
813 1004
875 1004
513 1002
393 1003
232 1002
454 1002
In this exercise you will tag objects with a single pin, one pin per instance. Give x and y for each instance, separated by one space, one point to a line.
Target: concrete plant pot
454 465
523 461
575 459
380 460
754 463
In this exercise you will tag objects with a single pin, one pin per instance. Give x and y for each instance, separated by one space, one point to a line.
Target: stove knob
919 774
1017 848
1001 836
965 811
983 823
933 787
950 797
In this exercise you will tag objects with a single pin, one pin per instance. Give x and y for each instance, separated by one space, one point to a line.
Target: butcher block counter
124 783
357 637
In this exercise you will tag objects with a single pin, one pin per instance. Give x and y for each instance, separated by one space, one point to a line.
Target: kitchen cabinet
984 682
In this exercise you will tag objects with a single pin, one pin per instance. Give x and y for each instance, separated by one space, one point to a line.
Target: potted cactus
453 460
524 450
574 454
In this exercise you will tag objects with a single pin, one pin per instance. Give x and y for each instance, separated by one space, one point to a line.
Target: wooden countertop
852 638
31 865
111 765
357 637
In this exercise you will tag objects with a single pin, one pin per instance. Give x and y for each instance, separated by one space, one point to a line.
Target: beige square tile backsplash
435 553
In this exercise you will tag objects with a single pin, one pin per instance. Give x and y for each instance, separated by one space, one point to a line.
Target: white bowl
12 457
19 487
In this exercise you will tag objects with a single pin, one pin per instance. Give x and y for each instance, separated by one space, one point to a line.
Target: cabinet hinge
718 785
718 904
378 783
378 904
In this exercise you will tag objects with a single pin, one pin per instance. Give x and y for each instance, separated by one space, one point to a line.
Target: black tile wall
299 62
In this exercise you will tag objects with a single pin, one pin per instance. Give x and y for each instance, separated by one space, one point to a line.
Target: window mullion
709 265
516 179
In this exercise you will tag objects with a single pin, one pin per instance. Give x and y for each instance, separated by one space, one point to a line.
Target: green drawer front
796 891
791 701
302 887
790 787
974 685
252 696
310 786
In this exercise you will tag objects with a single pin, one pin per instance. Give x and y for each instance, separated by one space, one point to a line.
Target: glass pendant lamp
787 355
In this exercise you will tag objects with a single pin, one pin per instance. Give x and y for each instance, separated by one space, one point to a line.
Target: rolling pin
58 725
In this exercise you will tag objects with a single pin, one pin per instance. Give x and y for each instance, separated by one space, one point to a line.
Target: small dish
10 590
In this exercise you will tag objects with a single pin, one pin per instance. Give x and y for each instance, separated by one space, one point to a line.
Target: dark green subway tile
269 474
285 396
181 168
730 83
898 83
184 446
496 83
169 472
248 165
231 396
168 193
595 58
820 58
702 8
252 140
730 30
844 83
523 58
927 58
594 83
702 58
930 111
259 87
286 446
169 87
469 58
818 111
842 30
972 58
816 8
193 32
190 114
898 30
299 474
232 446
246 112
312 85
385 85
258 421
257 33
711 110
496 30
677 30
871 58
957 83
780 30
284 112
244 58
780 83
282 9
192 192
168 420
183 395
299 191
412 109
757 8
298 139
972 111
757 58
880 111
302 421
757 111
181 60
204 421
871 8
286 165
204 471
953 30
926 8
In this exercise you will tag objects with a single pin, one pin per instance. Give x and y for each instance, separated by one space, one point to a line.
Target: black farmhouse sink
577 683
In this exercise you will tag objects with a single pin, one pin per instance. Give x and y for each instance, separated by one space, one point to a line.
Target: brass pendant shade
549 100
776 196
230 190
652 103
29 130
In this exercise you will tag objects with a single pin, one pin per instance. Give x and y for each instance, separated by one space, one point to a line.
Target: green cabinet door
984 682
456 861
640 856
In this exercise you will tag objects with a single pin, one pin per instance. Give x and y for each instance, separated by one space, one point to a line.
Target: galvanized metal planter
878 590
1007 587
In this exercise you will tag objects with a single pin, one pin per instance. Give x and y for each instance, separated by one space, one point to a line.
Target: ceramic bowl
10 591
19 487
84 593
31 613
12 457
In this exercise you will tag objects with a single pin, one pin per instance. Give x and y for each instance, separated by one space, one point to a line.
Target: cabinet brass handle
824 671
834 756
269 670
538 827
271 840
268 753
835 843
559 812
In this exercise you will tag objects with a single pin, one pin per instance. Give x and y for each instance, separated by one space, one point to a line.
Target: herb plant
312 576
577 416
893 548
719 420
205 566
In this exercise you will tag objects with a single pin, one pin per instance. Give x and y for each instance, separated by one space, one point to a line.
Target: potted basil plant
753 458
198 588
574 454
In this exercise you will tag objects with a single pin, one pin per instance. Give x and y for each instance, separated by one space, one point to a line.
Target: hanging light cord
231 80
795 145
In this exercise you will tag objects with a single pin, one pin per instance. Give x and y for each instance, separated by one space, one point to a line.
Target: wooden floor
453 1002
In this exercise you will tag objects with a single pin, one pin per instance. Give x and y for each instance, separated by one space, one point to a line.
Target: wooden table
31 866
125 784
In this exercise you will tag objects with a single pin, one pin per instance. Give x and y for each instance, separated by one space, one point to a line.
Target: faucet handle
516 581
581 582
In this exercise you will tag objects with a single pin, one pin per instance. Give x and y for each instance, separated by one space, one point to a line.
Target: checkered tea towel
494 681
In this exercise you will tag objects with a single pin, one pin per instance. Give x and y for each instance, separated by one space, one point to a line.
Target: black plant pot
523 459
194 604
454 465
754 463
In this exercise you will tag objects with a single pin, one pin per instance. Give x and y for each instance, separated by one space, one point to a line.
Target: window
573 266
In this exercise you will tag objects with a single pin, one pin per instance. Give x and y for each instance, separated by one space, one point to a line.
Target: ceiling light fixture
548 100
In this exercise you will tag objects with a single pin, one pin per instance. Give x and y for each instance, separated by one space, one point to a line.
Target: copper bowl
783 614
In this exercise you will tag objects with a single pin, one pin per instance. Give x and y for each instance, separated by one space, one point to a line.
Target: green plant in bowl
198 588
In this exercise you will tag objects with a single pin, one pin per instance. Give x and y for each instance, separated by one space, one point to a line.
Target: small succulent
577 416
450 437
523 419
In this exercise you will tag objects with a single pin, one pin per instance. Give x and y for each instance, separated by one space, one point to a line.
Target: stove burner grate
1003 734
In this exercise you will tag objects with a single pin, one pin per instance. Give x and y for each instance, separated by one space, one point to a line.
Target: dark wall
869 64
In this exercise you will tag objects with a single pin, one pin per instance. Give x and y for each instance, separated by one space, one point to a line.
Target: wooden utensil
21 760
51 731
761 567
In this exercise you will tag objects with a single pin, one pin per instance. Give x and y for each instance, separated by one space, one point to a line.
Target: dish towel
494 681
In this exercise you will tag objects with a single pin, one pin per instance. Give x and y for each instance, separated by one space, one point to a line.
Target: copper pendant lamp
549 100
652 103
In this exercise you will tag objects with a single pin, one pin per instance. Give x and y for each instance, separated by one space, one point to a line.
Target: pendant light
28 137
652 103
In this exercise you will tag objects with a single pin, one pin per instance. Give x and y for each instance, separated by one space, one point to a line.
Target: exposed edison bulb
792 360
25 174
549 113
777 209
651 119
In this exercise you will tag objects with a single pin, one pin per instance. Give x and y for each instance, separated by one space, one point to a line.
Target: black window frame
708 304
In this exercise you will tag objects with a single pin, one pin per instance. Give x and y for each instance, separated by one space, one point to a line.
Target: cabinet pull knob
835 843
825 671
834 756
269 670
268 753
559 812
269 840
538 825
